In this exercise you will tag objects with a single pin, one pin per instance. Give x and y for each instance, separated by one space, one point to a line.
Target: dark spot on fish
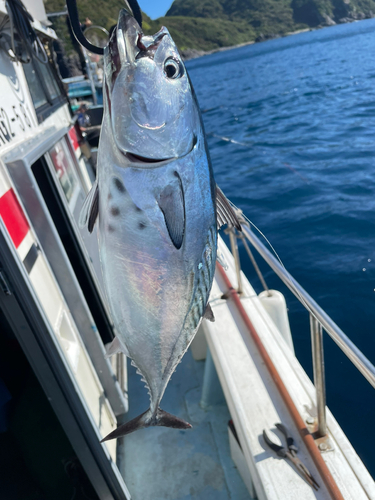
142 225
119 185
137 209
110 228
175 174
115 211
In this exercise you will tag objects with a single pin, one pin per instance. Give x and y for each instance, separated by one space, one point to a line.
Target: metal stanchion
234 248
319 376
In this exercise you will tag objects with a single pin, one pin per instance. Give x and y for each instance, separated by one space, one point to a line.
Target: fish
158 208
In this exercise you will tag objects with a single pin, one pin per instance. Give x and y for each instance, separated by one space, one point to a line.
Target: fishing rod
76 26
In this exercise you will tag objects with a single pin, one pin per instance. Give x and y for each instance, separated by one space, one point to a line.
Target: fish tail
148 419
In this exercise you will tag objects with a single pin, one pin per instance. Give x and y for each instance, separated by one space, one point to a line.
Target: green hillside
102 12
202 33
210 24
267 18
268 13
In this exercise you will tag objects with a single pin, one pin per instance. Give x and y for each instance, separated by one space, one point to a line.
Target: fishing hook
76 27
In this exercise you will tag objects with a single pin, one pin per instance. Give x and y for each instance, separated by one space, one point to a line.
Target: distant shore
195 53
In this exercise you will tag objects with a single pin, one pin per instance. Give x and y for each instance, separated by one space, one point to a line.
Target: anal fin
115 347
208 314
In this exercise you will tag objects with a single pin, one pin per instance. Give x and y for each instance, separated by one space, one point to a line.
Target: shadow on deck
167 464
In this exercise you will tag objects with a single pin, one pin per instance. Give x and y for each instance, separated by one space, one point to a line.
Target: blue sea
291 130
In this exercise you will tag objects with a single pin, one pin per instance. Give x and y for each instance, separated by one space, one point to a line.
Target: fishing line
247 145
260 232
297 173
227 139
301 299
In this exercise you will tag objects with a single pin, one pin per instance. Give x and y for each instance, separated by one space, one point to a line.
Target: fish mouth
149 127
155 162
142 159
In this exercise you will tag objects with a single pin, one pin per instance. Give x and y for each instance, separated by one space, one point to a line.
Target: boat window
49 80
63 169
38 96
44 88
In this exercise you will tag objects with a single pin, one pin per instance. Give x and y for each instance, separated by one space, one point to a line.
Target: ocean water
291 131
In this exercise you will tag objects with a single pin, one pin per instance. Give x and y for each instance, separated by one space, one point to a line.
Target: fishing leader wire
71 5
242 216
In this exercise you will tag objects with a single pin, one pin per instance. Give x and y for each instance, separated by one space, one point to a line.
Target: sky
155 8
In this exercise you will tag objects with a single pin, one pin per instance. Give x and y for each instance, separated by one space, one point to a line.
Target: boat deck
167 464
255 403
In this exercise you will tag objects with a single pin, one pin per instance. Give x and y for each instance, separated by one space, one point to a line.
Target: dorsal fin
90 208
225 211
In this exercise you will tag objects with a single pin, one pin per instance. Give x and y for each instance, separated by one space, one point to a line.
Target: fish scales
155 198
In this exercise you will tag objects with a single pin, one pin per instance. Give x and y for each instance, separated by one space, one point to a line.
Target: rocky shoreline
188 54
195 53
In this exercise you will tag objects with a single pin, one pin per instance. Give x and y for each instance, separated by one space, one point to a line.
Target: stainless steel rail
319 317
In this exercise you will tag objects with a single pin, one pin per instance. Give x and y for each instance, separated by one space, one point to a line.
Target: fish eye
173 69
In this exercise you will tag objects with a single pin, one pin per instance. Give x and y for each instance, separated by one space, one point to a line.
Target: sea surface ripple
291 131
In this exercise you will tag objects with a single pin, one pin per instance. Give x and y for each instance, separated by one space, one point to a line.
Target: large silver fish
158 207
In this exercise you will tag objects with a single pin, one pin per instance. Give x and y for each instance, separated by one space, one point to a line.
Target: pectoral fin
90 209
225 211
171 203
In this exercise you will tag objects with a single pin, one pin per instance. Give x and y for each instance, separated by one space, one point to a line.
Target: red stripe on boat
74 138
13 217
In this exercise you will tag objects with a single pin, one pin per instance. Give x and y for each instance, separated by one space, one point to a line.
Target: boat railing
319 320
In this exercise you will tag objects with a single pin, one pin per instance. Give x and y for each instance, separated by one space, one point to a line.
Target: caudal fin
147 419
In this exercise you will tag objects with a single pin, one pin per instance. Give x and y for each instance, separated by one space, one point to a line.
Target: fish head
154 115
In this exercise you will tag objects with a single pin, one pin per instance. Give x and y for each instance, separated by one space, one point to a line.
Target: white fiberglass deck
255 403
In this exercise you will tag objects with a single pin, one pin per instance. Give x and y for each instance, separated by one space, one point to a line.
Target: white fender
274 303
